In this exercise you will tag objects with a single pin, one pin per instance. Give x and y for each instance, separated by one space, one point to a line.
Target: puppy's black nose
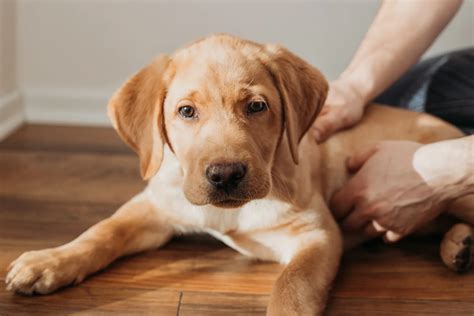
225 175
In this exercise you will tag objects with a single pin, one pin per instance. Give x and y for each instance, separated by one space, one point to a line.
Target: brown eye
187 112
256 106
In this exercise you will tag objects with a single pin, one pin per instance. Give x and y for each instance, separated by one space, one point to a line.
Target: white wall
73 54
10 103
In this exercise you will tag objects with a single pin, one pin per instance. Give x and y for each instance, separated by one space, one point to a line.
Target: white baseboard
70 107
11 113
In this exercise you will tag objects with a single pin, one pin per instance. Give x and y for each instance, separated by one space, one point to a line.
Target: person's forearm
448 165
399 35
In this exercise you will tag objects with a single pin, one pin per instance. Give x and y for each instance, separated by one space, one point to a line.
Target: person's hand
344 107
387 195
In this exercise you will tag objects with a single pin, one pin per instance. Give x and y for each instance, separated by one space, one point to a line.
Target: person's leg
451 92
442 86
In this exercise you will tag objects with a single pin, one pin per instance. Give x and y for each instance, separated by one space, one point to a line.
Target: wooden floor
57 181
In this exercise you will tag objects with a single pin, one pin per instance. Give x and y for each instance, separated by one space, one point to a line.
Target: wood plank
217 304
408 270
66 139
397 307
222 304
72 177
96 300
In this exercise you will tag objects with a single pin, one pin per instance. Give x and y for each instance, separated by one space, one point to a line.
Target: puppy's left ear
136 113
303 90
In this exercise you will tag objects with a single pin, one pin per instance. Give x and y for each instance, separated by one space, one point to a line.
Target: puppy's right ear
136 113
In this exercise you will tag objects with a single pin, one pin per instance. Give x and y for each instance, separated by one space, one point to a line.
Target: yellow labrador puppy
220 127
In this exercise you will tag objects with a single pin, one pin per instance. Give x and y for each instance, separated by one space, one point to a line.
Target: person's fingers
343 201
326 125
391 236
355 162
378 227
356 220
371 230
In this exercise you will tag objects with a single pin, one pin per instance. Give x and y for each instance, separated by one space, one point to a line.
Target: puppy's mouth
235 198
225 199
229 203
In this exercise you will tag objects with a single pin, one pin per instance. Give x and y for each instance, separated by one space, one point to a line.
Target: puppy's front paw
42 272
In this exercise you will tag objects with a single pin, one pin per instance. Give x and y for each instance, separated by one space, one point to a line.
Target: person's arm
409 184
447 165
400 33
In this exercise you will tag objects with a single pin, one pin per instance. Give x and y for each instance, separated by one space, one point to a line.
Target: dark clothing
442 86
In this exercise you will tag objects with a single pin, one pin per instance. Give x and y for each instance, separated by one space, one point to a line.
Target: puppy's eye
187 111
256 106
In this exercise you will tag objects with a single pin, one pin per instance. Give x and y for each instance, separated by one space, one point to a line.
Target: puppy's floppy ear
136 113
302 88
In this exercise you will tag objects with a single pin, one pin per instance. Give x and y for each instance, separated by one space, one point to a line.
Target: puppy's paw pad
463 259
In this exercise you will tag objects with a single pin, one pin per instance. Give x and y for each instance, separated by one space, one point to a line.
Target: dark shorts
442 86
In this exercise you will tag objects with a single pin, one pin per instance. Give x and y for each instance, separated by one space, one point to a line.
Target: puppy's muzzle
226 176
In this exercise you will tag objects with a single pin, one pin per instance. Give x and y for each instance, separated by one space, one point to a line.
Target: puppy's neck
296 183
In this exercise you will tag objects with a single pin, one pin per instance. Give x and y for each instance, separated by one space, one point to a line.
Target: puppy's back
388 123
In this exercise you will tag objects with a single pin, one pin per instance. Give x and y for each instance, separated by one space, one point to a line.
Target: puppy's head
222 105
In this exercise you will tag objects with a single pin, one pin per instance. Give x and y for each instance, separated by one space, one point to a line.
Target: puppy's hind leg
457 248
136 226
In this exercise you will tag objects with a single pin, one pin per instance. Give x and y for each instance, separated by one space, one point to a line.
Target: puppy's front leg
136 226
303 286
